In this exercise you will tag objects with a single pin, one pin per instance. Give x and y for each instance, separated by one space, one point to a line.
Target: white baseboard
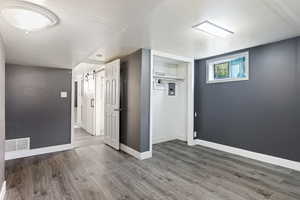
136 154
161 140
182 138
39 151
3 191
253 155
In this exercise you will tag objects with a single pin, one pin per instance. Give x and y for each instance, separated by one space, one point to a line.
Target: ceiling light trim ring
28 6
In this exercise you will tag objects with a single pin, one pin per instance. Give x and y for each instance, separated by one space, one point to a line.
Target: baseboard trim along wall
35 152
161 140
253 155
3 191
136 154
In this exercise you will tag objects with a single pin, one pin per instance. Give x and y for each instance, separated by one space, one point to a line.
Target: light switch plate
63 94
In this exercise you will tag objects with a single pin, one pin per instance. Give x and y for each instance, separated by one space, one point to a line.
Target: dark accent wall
135 100
145 100
33 105
2 111
260 115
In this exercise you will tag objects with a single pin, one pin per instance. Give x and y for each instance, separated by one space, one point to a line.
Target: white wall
169 112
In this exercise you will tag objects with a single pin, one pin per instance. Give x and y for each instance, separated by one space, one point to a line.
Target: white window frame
210 67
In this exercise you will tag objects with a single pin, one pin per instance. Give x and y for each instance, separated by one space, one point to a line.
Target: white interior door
90 106
83 104
112 104
100 83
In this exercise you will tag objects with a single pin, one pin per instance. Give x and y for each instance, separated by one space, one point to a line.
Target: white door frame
78 80
72 108
190 94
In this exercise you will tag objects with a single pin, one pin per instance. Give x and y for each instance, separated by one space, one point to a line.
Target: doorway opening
96 104
171 115
88 105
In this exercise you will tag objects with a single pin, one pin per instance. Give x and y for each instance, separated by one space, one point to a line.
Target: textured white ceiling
118 27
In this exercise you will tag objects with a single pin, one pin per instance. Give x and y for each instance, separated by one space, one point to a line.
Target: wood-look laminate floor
176 171
83 138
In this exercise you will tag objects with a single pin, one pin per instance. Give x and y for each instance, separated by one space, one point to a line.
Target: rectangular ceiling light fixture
213 29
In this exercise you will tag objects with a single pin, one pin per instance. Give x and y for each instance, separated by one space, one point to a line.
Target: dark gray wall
135 98
145 100
2 111
260 115
33 105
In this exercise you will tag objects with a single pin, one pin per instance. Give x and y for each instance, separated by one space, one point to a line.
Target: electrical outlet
195 134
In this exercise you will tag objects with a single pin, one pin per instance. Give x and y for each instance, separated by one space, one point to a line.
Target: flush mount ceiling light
213 29
28 16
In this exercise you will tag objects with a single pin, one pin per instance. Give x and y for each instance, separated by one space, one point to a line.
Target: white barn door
112 104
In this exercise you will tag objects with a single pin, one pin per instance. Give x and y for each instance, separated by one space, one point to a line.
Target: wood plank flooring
83 138
176 171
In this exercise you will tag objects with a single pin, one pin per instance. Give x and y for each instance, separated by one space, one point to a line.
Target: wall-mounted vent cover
17 144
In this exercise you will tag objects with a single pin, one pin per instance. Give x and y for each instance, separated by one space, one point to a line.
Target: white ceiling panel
117 27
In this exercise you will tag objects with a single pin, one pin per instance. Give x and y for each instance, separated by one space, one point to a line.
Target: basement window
229 68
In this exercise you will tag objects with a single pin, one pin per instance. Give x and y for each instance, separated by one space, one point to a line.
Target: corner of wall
2 116
145 100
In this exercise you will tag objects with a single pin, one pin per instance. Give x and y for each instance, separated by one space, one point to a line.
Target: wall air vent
17 144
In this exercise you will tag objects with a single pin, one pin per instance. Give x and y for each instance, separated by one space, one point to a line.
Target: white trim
134 153
73 108
190 104
171 56
253 155
190 93
77 79
228 80
100 68
3 191
39 151
181 138
161 140
145 155
152 53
